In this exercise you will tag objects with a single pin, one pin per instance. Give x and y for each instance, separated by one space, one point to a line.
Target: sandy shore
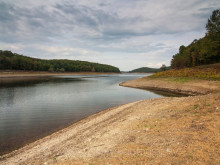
19 74
191 87
174 130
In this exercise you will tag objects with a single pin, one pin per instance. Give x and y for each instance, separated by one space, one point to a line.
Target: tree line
14 61
147 70
203 51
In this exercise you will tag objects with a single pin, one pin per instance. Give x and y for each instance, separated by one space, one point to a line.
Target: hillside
145 70
13 61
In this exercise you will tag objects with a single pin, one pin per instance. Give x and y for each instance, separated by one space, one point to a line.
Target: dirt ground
175 85
169 130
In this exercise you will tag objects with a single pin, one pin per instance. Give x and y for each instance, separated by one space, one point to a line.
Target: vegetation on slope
209 72
13 61
203 51
191 61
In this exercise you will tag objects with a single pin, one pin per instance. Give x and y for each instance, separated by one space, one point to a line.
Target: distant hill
13 61
145 70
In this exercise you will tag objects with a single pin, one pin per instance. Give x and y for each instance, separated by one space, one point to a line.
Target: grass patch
195 106
180 80
184 75
146 126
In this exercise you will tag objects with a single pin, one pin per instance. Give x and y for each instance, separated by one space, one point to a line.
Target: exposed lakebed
31 108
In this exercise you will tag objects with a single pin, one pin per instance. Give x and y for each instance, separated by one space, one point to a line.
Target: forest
13 61
203 51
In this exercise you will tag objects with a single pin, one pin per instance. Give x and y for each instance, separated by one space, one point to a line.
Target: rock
168 150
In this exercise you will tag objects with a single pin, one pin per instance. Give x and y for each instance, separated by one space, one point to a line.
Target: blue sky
125 33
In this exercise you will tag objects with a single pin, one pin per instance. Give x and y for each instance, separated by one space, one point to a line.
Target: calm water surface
34 107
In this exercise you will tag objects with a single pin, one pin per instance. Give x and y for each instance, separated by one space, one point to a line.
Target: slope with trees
145 70
13 61
150 70
203 51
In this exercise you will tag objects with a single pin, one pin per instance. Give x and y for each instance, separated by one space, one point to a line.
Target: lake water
32 108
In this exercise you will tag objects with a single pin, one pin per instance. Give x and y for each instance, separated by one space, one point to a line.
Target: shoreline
95 137
75 125
20 74
191 87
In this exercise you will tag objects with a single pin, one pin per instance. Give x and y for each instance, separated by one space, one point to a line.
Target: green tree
203 51
163 67
213 25
51 69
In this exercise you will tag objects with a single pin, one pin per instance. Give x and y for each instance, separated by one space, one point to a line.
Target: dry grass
202 72
182 136
179 134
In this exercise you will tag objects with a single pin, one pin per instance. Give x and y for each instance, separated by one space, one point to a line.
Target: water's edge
40 136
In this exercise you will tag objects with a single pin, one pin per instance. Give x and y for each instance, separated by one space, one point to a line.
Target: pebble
168 150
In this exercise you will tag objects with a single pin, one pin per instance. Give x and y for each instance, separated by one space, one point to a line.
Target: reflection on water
31 108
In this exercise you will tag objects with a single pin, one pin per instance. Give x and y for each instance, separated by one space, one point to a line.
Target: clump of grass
200 73
54 159
146 126
195 106
180 79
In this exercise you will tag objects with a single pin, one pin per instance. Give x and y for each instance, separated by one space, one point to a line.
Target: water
31 108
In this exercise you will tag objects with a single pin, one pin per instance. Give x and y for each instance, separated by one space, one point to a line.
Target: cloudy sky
125 33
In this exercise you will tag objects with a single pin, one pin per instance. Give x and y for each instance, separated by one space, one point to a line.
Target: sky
127 34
